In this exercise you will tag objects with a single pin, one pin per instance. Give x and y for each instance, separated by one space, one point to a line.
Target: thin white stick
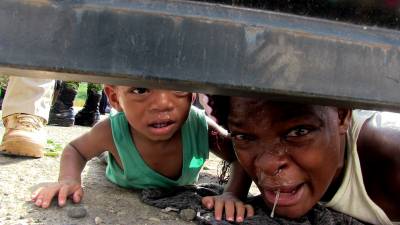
276 202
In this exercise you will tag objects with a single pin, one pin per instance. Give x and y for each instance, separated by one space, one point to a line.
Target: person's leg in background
90 114
3 87
26 107
104 106
62 111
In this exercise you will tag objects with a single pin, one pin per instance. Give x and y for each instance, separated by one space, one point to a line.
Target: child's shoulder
117 118
102 127
96 140
196 110
197 116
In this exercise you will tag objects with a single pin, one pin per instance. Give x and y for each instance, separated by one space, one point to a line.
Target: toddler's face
154 114
293 148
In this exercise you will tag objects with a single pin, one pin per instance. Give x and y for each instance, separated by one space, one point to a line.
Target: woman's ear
344 115
111 92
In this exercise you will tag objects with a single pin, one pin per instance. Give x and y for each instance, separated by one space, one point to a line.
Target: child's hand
231 204
42 197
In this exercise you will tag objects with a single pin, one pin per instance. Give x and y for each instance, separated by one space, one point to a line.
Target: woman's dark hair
219 110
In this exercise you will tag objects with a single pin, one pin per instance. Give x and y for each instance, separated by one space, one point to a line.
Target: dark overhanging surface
382 13
202 47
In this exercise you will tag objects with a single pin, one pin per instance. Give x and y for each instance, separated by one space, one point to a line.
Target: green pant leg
3 81
95 87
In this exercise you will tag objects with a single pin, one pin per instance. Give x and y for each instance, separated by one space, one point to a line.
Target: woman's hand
232 205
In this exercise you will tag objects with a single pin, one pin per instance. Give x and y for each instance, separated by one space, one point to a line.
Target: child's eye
298 132
139 91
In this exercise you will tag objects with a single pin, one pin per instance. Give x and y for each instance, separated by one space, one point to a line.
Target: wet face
153 114
297 149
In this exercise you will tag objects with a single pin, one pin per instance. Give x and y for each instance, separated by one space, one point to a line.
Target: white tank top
351 197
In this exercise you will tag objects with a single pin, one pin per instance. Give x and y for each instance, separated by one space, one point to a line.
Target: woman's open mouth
289 195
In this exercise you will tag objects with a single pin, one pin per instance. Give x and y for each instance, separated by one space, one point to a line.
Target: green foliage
82 94
53 148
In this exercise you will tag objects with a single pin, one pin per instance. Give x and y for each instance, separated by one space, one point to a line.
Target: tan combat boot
24 135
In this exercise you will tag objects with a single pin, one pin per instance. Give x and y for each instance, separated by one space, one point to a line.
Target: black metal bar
202 47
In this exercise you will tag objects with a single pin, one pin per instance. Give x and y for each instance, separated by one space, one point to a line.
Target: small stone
208 216
167 216
121 213
187 214
168 209
154 219
98 220
21 217
77 212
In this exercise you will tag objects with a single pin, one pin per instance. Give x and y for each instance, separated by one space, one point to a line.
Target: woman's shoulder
379 137
378 148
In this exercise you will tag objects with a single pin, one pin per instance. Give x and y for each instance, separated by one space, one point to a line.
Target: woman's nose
273 160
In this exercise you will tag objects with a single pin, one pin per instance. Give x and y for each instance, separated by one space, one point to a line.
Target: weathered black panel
202 47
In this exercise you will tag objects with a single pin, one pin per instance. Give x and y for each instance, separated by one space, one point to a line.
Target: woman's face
296 149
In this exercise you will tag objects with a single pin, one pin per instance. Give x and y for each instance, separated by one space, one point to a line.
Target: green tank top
137 174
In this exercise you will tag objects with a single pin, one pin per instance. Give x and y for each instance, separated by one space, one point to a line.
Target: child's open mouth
162 127
289 195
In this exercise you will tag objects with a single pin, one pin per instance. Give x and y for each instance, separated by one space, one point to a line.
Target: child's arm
73 160
239 182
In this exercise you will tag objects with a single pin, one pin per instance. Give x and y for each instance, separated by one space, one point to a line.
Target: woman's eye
297 132
139 91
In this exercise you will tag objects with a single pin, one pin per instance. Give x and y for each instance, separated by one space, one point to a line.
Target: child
301 155
156 140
